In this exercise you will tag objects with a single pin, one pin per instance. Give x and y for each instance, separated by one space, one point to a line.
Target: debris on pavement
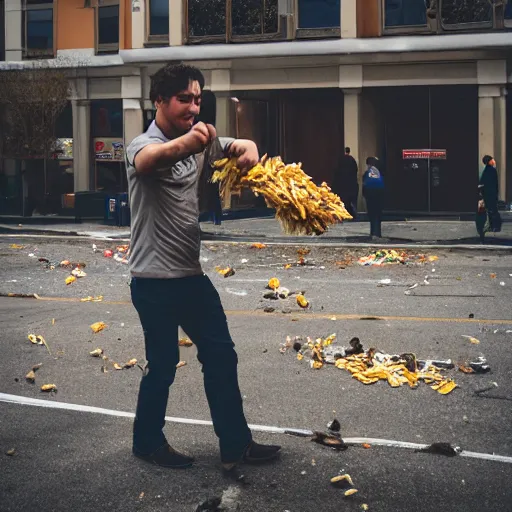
445 449
98 327
78 272
31 376
344 482
490 387
181 364
70 279
37 339
97 352
392 257
331 440
334 425
11 452
131 363
364 506
480 365
472 339
99 298
273 283
302 301
16 246
367 446
48 388
258 245
371 366
108 253
226 272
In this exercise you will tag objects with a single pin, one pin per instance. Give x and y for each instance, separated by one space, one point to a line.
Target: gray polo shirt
165 234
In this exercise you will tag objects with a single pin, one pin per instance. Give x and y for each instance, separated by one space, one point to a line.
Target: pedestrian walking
488 217
168 286
345 182
373 192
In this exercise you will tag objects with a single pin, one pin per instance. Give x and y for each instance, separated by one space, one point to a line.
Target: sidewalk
414 232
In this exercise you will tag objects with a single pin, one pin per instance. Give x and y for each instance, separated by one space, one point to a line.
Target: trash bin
110 212
123 210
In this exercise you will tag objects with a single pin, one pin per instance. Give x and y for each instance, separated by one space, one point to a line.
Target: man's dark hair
173 78
486 159
373 161
347 150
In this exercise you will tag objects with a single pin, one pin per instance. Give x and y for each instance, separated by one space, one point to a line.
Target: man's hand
196 140
247 153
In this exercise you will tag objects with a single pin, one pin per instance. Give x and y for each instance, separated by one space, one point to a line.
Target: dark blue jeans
194 304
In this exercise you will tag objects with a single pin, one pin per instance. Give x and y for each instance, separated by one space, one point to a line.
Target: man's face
181 110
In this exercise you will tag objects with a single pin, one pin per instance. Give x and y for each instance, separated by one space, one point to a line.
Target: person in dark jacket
373 192
488 217
345 182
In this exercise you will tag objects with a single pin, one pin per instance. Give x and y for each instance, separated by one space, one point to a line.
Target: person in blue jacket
373 192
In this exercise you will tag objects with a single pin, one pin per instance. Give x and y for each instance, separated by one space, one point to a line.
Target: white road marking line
21 400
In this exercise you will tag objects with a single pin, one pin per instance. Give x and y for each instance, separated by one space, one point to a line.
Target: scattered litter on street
258 245
37 339
273 283
70 279
131 363
344 482
48 388
31 376
392 257
98 326
371 366
11 452
181 364
472 340
445 449
16 246
108 253
490 387
302 301
226 272
98 352
185 342
331 440
78 272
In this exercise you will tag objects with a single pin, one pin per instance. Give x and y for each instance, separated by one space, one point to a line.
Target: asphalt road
75 460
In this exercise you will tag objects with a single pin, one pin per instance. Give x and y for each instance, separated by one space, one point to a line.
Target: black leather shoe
167 457
261 452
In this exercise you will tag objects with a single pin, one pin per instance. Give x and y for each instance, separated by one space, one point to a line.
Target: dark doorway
437 117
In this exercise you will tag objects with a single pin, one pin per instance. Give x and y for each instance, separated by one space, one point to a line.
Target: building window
405 13
158 20
38 28
455 13
107 26
232 20
508 14
319 13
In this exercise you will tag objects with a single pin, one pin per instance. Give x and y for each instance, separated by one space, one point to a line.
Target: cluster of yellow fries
302 207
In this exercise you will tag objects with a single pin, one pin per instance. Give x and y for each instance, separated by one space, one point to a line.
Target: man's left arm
245 150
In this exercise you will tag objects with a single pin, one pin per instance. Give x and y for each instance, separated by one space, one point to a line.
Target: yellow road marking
309 315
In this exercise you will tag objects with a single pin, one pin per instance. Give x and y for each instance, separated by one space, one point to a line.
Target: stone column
131 92
13 30
348 18
492 130
352 132
176 22
81 143
492 126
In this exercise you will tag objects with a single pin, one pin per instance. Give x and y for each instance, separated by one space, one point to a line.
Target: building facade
424 85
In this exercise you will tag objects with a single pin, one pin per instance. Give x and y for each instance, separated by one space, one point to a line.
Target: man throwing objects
168 287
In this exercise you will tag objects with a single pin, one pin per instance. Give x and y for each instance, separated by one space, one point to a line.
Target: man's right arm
156 156
147 157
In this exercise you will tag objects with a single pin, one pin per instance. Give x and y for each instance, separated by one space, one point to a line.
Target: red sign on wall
424 154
